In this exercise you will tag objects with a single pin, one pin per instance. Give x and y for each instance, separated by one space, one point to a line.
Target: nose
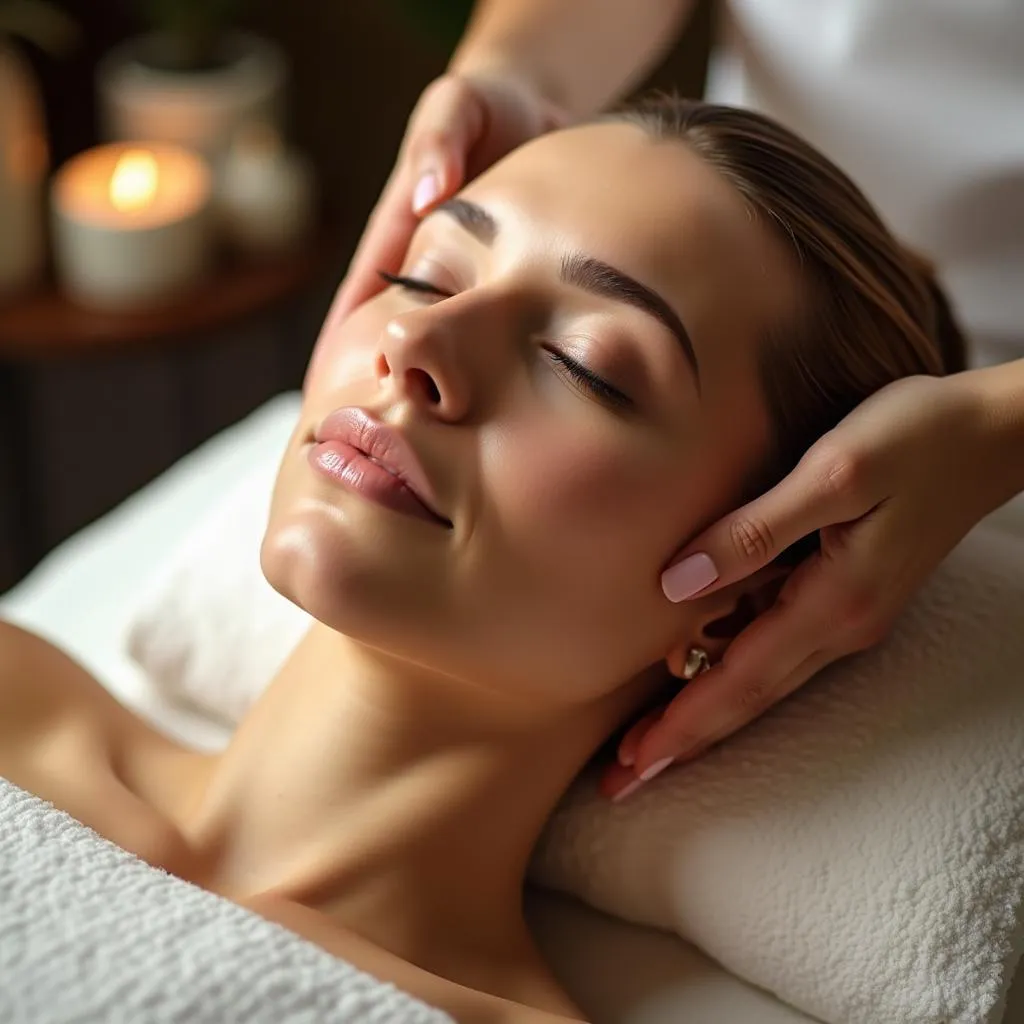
430 355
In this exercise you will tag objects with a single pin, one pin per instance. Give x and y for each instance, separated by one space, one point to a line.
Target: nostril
423 380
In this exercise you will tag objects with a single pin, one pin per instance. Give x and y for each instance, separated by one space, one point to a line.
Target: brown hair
873 311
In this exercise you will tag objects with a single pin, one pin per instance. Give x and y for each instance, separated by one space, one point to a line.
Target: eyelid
438 256
609 353
568 350
621 350
598 388
412 284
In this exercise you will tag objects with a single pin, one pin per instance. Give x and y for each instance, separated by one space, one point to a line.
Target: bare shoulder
465 1005
62 736
41 687
43 690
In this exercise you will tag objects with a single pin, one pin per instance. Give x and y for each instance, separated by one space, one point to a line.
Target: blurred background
143 305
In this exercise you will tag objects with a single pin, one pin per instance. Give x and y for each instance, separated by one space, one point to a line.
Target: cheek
588 506
580 525
342 355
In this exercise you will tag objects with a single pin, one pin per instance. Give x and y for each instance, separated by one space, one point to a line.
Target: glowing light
133 183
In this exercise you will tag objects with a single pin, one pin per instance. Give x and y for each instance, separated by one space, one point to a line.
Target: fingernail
630 788
688 577
627 790
656 769
427 190
626 758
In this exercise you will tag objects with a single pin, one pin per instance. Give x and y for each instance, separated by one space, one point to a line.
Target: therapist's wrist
999 393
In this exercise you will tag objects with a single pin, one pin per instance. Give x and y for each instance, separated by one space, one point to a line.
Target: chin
307 558
359 590
345 564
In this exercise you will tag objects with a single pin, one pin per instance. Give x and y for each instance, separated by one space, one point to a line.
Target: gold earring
697 661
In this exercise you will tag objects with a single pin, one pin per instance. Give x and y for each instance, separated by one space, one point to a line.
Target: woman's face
573 365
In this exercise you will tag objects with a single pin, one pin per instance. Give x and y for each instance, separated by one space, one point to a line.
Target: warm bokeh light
133 183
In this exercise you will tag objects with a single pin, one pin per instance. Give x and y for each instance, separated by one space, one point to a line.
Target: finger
447 122
618 788
771 657
383 246
616 772
446 125
814 495
720 696
617 782
628 745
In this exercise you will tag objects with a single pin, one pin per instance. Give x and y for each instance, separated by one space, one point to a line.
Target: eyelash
597 386
413 284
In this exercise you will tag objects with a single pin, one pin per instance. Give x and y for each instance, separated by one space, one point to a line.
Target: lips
385 447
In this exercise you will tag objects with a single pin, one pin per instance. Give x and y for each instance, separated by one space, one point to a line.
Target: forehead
657 210
623 185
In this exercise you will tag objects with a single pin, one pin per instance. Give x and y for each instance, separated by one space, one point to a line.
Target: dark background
357 68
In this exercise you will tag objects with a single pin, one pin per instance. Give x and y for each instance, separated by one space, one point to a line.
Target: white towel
184 633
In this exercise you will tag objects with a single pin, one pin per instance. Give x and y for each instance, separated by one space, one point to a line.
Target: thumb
443 130
757 533
431 166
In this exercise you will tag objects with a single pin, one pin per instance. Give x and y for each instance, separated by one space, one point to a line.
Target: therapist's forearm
580 54
1012 394
1002 392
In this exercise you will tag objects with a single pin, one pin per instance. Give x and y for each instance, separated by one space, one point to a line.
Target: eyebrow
599 278
586 272
475 219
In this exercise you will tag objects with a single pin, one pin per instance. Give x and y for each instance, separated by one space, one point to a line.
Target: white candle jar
131 224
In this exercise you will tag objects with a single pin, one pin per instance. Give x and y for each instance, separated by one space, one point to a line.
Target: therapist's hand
460 126
891 490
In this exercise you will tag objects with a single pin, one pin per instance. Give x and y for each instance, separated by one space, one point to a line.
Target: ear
715 621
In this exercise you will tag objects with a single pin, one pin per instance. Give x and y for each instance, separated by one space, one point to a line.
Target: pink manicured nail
656 769
632 787
627 790
427 190
688 577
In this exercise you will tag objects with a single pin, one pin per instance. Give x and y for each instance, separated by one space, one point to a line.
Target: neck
403 804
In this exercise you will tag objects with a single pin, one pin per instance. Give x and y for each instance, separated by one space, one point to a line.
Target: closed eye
597 386
580 375
414 284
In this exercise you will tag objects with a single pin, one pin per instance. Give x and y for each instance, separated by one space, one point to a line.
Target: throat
403 809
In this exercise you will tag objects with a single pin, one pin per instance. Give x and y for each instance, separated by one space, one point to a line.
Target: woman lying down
614 336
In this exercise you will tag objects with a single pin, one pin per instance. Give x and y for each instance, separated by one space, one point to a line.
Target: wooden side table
95 404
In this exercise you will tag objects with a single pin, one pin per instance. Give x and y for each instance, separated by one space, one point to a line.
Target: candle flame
133 183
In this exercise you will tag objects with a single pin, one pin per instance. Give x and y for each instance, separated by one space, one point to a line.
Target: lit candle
131 223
